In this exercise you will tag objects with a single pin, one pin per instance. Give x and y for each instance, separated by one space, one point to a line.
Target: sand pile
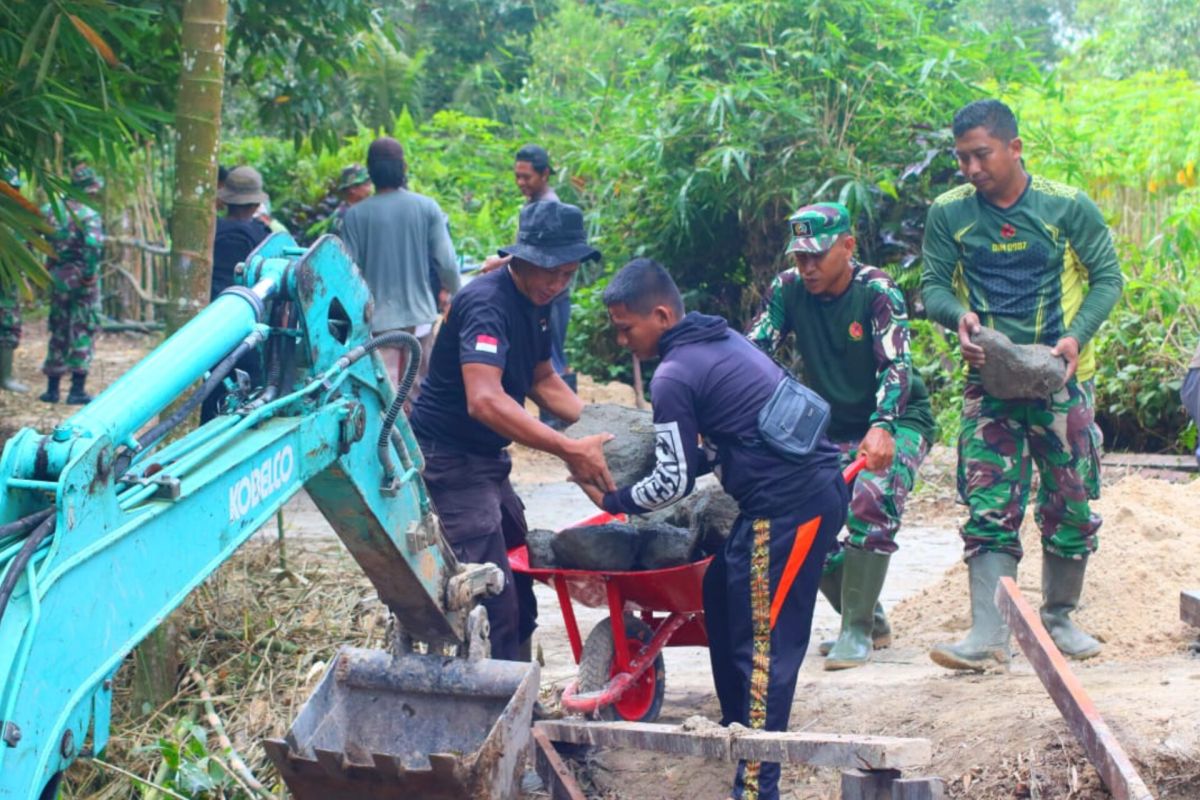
1148 547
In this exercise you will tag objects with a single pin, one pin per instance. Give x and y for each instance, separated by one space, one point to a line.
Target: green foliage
936 359
189 768
456 159
1133 36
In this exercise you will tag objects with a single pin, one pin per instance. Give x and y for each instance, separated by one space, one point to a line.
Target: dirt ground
994 736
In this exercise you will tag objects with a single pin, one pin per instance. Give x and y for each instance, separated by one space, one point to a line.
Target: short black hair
222 173
386 164
241 208
536 156
641 285
992 115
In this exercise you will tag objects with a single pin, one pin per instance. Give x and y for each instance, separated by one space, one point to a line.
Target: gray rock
710 514
612 547
630 455
539 542
665 546
1018 371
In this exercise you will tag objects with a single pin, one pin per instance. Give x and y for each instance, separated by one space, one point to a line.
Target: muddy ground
994 736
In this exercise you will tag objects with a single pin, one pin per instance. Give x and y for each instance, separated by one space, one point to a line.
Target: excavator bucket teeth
384 728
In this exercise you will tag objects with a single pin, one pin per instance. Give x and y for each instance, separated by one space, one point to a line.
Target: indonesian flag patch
485 343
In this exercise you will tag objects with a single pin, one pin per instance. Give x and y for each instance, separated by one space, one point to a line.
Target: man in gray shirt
395 237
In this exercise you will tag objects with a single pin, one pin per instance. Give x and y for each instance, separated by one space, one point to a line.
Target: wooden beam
1150 461
559 780
1101 746
1189 607
918 789
814 749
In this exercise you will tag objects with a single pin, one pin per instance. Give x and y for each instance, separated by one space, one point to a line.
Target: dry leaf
95 40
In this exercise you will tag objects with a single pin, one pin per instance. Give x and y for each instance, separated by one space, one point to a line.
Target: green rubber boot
831 587
1062 584
7 381
986 644
862 583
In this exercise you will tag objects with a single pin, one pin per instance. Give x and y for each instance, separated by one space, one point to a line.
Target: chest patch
856 331
1008 231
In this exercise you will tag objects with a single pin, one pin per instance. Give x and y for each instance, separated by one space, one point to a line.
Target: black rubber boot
1062 584
7 381
78 396
986 644
51 394
862 582
831 587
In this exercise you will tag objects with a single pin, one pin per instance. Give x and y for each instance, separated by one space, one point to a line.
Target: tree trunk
198 123
193 224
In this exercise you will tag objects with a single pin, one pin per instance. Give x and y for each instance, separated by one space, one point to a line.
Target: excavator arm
105 528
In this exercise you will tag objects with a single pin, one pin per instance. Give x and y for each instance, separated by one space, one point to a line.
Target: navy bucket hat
551 234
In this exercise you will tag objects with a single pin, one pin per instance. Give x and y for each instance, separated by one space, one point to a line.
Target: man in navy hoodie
760 590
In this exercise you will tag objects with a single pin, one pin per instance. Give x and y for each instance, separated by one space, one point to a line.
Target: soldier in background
10 315
78 242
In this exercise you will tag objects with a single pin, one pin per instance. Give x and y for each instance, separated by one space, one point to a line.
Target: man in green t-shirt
851 331
1034 259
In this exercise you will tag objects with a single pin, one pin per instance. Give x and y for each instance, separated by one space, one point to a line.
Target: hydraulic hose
19 526
218 374
410 376
22 558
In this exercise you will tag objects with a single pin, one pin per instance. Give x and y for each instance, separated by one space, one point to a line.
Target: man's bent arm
1092 243
893 360
770 327
441 252
551 393
940 259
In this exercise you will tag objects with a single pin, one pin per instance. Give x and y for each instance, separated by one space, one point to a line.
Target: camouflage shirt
855 350
78 237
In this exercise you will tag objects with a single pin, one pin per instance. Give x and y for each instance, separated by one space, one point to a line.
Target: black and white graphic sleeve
678 458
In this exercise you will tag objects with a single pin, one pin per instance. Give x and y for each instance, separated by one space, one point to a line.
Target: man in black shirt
238 233
493 351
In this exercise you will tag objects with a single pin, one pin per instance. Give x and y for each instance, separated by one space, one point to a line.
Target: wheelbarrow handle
856 466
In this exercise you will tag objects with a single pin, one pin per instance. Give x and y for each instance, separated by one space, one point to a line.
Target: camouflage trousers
10 322
1000 442
73 323
877 499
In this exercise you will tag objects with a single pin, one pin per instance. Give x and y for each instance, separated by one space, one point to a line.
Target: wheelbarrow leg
616 616
568 612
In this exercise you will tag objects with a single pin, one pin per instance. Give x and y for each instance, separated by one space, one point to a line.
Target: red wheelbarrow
621 673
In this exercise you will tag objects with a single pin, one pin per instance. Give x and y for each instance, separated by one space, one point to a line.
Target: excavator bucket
380 727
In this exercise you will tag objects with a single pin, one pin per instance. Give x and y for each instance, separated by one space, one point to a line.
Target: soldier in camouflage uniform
1035 260
851 331
354 186
78 242
10 315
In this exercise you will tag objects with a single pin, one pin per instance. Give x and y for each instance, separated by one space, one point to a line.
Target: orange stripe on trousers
805 535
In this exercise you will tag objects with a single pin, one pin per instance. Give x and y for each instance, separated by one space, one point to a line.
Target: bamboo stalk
238 768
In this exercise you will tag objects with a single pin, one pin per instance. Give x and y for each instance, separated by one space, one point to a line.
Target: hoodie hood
694 327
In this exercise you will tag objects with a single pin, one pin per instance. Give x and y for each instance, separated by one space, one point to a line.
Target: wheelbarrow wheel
643 701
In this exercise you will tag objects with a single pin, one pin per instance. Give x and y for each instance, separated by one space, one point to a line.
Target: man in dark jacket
760 589
238 233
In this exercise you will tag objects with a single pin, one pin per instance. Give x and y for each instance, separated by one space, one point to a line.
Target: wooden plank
1150 461
814 749
559 780
1068 694
918 789
1189 607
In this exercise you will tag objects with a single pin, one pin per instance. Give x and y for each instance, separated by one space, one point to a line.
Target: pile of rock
688 531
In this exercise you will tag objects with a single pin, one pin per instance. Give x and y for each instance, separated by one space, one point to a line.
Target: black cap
550 234
537 157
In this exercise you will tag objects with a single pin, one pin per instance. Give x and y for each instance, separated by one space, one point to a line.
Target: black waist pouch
794 420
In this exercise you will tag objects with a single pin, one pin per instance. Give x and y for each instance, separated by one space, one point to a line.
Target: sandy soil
994 736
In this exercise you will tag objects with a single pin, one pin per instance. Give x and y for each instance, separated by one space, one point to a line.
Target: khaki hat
243 187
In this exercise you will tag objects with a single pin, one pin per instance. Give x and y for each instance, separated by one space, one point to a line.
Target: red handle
855 467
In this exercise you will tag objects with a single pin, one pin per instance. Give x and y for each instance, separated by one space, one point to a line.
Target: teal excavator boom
105 528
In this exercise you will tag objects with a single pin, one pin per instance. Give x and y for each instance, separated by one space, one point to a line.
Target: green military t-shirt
855 351
1042 269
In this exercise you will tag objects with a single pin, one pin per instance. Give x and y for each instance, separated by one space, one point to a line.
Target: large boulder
539 542
630 455
665 545
612 547
1018 371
